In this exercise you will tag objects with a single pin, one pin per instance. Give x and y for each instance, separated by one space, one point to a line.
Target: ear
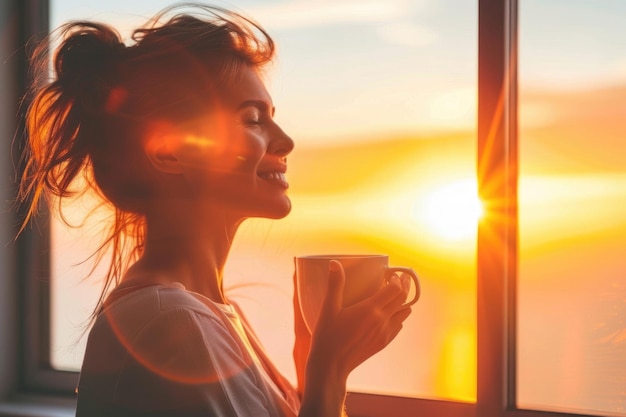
161 151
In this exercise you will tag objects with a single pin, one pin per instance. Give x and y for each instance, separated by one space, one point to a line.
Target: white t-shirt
164 351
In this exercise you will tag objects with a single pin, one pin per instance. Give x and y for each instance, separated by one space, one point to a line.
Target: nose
281 143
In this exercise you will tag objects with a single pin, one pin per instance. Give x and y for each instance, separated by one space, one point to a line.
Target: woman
176 132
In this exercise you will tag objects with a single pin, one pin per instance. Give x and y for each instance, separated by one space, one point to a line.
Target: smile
275 177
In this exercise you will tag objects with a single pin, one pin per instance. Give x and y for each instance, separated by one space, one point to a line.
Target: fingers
393 332
333 302
401 315
405 279
396 323
392 295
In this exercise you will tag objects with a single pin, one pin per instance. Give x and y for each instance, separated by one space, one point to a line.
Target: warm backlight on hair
452 211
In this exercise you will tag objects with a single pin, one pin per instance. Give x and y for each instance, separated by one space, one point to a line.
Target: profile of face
235 158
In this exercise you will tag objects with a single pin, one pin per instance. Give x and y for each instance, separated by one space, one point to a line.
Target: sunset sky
380 98
411 63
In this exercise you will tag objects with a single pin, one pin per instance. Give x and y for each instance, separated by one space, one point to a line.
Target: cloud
619 70
388 15
535 114
307 13
454 108
405 33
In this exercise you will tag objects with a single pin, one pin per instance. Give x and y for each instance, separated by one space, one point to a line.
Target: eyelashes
252 122
252 117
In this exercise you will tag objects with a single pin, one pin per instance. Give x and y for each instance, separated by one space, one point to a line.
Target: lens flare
452 211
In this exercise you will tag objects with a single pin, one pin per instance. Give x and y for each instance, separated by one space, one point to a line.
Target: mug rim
344 256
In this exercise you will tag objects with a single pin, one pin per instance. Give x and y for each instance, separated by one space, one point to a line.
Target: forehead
246 85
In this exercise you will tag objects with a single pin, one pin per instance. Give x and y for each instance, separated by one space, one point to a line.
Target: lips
275 176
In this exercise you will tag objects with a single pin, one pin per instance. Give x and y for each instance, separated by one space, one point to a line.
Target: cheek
223 146
242 154
205 154
235 161
222 172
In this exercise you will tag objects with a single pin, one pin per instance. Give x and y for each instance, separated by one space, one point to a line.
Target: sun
452 211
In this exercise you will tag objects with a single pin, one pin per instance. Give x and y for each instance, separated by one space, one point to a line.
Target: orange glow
370 197
373 197
452 211
457 373
199 141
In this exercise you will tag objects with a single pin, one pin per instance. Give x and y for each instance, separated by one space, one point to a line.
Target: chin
282 212
276 211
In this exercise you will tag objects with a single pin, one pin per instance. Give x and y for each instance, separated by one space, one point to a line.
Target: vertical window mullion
512 213
497 242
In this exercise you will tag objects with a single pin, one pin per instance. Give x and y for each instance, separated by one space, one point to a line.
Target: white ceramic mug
365 275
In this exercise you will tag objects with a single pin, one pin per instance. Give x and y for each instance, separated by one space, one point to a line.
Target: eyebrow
259 104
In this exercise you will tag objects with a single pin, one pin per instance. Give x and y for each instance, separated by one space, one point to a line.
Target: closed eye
251 116
255 112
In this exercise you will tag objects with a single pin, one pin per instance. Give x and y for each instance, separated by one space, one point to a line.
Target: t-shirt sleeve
185 363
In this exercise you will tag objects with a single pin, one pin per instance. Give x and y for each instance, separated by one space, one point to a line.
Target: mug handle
394 270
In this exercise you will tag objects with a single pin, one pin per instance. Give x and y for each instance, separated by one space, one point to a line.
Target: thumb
333 302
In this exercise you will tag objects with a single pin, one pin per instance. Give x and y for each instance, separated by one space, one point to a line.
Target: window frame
36 373
497 170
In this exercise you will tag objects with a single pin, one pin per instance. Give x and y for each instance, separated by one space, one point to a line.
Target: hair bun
85 62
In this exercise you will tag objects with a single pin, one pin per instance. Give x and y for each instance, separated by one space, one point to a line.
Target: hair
88 121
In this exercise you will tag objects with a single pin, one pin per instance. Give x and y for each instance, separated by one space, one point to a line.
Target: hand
302 344
345 337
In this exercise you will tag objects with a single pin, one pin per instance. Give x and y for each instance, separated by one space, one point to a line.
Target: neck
188 245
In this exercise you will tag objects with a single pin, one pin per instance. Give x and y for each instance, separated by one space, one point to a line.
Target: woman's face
238 161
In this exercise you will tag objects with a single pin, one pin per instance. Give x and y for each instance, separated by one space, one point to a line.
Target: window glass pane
380 98
572 266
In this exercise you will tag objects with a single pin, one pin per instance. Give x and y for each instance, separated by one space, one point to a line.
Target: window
484 360
572 207
384 125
